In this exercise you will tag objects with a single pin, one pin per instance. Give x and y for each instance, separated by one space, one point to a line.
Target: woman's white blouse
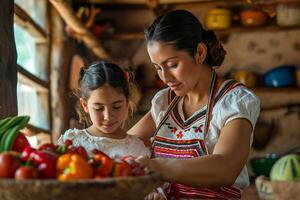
239 102
130 145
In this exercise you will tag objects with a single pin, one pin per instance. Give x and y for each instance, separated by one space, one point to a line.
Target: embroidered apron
163 147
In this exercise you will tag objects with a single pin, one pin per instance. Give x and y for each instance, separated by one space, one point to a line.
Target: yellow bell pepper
72 167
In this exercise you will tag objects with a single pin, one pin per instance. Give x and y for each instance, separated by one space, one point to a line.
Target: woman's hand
143 160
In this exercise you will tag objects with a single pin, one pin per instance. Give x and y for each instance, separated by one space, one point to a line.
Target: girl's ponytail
134 92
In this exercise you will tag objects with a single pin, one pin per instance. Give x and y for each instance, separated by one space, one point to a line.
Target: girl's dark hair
183 30
99 74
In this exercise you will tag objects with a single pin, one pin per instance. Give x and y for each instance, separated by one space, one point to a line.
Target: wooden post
8 61
61 51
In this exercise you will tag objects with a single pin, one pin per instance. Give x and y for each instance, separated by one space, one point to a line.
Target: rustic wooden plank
25 21
49 61
8 61
27 78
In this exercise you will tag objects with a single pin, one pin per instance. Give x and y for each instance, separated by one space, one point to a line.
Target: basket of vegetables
67 172
284 182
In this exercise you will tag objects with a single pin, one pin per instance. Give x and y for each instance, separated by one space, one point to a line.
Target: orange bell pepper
73 166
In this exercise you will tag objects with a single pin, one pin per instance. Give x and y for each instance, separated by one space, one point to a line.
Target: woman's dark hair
97 75
183 30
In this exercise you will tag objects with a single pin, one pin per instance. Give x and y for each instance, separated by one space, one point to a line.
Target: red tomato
9 163
26 172
20 143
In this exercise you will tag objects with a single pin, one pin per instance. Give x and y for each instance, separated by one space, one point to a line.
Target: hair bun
215 51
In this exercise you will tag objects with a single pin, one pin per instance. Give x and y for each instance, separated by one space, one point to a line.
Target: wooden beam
91 41
24 20
211 2
138 35
8 61
29 79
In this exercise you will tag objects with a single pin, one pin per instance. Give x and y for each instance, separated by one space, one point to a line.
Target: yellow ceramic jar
218 18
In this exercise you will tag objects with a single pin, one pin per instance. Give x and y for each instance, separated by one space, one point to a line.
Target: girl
105 99
202 124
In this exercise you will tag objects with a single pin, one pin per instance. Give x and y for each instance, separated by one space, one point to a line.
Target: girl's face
175 68
107 107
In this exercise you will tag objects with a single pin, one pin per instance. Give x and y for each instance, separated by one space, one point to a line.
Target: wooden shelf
284 90
242 29
278 98
139 35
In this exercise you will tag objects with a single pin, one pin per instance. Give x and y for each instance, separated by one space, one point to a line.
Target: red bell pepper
20 143
121 169
46 162
78 150
103 165
25 155
136 169
48 147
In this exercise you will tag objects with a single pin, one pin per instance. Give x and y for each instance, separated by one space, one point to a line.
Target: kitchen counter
250 193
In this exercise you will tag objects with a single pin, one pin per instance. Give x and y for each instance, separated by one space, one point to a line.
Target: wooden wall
8 61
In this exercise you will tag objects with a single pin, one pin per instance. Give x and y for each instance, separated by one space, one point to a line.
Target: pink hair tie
127 76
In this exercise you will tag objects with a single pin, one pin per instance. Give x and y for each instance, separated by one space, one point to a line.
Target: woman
201 124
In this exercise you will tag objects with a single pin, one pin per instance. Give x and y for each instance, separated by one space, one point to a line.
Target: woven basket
277 190
108 188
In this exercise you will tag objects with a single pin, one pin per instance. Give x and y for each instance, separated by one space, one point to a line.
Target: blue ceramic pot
281 76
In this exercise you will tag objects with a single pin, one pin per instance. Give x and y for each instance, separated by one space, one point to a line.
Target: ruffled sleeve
139 148
159 105
240 103
75 135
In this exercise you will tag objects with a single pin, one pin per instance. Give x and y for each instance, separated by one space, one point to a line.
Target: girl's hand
145 162
155 195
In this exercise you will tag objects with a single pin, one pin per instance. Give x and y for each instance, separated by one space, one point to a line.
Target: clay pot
253 17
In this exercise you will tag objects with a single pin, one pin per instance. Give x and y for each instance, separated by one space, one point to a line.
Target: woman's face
107 107
175 68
